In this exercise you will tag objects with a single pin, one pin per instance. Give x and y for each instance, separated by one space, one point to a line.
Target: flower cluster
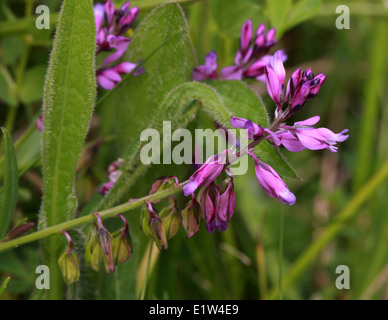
302 86
250 60
111 26
163 224
113 248
216 205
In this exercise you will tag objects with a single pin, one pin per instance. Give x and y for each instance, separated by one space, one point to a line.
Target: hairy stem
109 213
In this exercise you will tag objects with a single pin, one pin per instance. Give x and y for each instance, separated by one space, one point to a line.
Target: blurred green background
269 251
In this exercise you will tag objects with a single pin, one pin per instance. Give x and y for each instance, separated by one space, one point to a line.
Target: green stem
109 213
144 289
4 286
281 227
350 211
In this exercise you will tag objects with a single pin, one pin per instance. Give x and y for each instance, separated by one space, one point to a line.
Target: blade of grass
370 113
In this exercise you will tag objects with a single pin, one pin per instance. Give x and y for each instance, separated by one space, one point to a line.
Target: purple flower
109 77
39 123
275 75
126 17
250 59
227 204
120 44
207 173
245 52
271 182
254 130
99 15
191 217
302 136
264 41
111 24
104 239
210 200
207 71
302 87
232 73
113 173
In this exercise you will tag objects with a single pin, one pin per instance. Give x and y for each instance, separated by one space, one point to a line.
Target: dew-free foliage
69 95
8 196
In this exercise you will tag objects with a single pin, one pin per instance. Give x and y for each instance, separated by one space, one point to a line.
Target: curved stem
109 213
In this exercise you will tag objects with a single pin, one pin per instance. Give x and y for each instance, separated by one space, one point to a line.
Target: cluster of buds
113 173
111 26
161 225
113 248
302 86
250 60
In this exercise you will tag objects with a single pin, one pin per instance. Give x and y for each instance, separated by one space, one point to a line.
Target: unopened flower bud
164 183
122 244
93 251
210 198
170 219
191 217
162 225
104 239
227 204
69 262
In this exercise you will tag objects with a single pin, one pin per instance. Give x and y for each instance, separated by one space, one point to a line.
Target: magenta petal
105 83
120 44
271 182
238 123
125 67
308 122
311 139
99 12
109 11
246 36
207 173
274 87
290 142
190 187
232 73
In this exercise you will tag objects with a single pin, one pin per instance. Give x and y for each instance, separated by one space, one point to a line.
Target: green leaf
303 10
284 15
7 87
230 16
245 103
277 11
11 181
68 105
137 98
31 89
